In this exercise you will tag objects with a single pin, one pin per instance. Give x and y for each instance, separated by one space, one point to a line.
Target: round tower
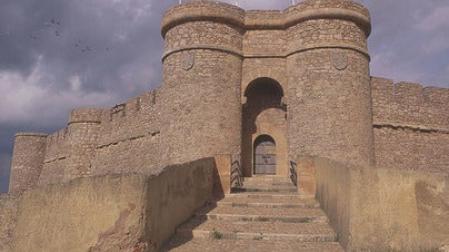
329 91
83 128
27 161
202 66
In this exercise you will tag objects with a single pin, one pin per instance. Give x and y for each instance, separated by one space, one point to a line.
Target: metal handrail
293 172
236 174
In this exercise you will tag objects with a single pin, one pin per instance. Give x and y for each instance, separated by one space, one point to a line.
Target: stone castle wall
411 125
122 139
56 154
131 136
27 162
328 92
316 51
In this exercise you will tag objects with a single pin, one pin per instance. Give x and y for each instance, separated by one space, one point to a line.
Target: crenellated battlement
202 10
58 136
85 115
131 108
345 24
409 104
30 134
411 125
266 19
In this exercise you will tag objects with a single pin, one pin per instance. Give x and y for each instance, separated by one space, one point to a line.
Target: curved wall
202 67
27 161
329 86
84 126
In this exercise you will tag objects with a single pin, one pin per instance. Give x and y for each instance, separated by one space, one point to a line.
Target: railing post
236 172
294 173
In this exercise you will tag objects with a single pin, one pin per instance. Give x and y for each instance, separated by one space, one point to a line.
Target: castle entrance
264 155
264 129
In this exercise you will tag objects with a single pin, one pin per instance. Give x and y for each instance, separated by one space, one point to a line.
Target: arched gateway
264 146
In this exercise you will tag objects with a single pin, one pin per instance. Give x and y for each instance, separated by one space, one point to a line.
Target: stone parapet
307 25
85 115
30 134
329 9
261 19
267 19
379 208
202 10
409 104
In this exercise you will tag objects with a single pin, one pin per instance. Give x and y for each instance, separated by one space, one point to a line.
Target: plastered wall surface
382 209
126 212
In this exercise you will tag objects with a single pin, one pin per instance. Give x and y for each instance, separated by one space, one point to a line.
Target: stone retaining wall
377 209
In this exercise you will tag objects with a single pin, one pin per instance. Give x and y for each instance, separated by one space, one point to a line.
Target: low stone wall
376 209
134 213
174 196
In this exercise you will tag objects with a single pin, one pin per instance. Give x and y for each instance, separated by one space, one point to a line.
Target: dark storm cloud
59 54
101 42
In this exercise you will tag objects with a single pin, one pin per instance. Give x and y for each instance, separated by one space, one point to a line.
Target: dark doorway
264 156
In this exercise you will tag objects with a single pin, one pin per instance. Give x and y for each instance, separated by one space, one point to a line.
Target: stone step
272 231
257 214
181 244
269 204
266 189
267 183
279 202
269 195
261 185
263 192
266 179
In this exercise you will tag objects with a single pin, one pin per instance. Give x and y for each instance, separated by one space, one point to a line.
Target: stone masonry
314 54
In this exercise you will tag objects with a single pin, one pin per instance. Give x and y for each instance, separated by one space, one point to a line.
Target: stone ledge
202 47
30 134
239 53
226 13
414 127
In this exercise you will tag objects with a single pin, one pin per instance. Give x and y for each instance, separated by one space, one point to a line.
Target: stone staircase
266 214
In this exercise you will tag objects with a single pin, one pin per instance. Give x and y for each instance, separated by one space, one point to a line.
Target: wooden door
265 156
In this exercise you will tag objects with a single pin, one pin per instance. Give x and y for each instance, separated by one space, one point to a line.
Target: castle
264 87
232 81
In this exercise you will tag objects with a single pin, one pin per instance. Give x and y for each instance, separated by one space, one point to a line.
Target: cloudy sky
59 54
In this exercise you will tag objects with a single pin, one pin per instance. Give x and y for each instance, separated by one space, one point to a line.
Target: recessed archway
264 118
